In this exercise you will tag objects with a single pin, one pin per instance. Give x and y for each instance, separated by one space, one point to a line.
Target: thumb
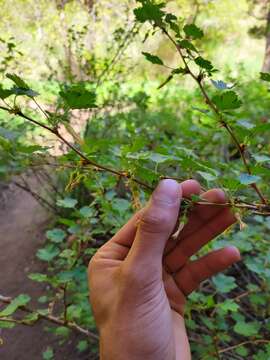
156 224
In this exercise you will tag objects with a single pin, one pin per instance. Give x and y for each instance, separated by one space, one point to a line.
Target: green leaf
204 64
262 128
191 324
38 277
48 253
265 76
62 331
74 312
247 328
223 283
76 274
90 252
67 202
82 345
203 111
121 205
43 311
21 88
147 155
208 322
185 44
242 351
207 176
149 11
18 81
43 299
228 305
86 211
246 179
246 124
175 27
4 93
30 319
169 18
30 149
193 31
153 58
28 92
48 354
227 101
65 276
19 301
221 85
78 96
159 158
261 158
6 324
256 265
8 134
261 355
169 78
56 235
195 198
179 71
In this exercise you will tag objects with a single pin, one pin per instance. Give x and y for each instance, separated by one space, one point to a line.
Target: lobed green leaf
19 301
247 179
56 235
67 202
78 96
149 11
153 58
227 101
185 44
265 76
193 31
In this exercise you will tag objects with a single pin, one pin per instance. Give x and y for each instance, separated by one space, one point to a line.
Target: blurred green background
146 131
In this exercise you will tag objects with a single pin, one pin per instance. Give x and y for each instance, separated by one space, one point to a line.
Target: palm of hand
146 300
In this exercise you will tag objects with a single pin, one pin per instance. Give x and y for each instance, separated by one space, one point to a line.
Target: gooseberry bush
216 132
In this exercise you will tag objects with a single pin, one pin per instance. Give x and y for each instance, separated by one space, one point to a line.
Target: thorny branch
259 209
219 115
53 319
86 160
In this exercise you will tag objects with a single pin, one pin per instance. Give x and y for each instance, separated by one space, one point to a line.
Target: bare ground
22 225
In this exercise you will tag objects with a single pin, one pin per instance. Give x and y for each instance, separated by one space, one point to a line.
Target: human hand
139 280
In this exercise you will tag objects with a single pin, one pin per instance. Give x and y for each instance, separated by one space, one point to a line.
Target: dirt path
22 225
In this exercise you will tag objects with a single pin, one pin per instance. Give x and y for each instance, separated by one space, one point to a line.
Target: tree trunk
266 62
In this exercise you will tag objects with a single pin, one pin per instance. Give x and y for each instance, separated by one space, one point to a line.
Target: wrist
111 347
115 345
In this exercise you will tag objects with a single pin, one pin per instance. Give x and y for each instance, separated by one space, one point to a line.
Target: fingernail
215 195
234 250
168 191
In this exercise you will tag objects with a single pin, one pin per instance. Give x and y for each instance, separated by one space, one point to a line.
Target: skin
139 280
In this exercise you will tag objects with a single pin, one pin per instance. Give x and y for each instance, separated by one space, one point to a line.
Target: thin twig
229 348
65 302
40 108
259 209
36 196
52 319
217 112
77 151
